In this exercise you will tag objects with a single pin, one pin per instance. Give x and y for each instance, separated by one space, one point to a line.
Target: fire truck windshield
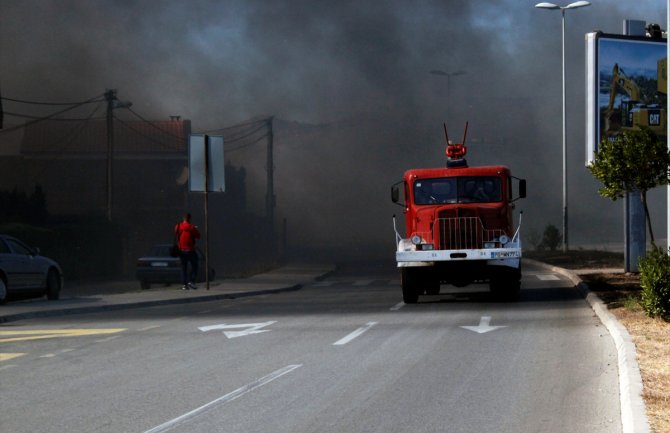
470 189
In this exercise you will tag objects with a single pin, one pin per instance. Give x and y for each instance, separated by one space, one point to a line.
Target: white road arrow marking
251 328
484 326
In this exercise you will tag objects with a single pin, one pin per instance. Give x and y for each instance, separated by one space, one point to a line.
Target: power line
239 125
249 144
242 137
32 122
148 137
22 101
27 116
154 125
76 132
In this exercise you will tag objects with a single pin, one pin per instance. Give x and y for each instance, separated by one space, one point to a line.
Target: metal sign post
207 212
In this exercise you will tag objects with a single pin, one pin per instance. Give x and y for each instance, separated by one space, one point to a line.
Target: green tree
636 161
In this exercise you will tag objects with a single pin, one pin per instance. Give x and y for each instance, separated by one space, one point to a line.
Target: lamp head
579 4
546 5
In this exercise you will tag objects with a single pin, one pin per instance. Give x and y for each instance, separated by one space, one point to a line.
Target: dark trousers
188 257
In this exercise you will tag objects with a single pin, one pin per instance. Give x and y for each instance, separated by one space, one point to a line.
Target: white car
23 271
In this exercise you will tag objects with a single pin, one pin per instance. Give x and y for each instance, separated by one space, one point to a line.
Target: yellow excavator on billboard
633 112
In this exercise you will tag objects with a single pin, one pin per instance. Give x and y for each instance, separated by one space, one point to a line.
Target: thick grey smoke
359 68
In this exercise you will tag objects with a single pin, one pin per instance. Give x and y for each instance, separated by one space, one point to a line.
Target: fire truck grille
462 233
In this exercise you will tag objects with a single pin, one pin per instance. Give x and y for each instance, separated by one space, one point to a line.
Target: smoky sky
315 61
323 62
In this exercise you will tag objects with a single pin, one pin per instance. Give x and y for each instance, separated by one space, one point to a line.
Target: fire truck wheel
410 291
433 286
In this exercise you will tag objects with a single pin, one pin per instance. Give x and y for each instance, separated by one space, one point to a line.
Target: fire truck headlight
416 239
504 239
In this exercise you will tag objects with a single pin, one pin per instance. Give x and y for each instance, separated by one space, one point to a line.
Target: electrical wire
32 122
21 101
248 144
154 125
227 128
148 137
27 116
68 140
242 137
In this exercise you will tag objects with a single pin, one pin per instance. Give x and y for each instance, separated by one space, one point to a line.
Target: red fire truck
459 227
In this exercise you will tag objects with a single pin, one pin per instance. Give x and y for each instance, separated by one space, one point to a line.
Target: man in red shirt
186 235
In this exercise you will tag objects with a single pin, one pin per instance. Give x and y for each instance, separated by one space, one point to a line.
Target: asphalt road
340 355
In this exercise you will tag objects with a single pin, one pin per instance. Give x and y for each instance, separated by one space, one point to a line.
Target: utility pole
110 96
270 194
112 103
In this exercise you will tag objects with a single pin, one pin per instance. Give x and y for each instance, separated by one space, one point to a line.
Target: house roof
70 138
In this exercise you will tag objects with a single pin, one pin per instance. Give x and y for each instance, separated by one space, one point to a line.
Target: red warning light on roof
456 151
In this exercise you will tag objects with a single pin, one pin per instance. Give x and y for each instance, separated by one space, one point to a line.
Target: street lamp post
448 75
551 6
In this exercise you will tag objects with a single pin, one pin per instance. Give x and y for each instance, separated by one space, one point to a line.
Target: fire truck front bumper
493 256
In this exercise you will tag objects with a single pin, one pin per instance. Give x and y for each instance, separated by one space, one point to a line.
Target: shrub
655 283
552 237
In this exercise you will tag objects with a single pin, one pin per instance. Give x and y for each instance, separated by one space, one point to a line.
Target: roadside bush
551 237
655 283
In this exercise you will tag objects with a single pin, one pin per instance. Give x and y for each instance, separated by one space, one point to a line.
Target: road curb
633 410
143 304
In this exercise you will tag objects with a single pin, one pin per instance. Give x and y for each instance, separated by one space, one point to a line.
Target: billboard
626 86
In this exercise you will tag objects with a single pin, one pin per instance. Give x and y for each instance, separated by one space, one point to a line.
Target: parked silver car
23 271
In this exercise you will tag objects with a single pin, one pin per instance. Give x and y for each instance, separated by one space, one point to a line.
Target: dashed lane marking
547 277
363 283
105 340
357 333
397 306
8 356
42 334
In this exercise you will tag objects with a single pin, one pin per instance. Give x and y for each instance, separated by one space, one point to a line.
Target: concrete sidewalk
118 295
633 410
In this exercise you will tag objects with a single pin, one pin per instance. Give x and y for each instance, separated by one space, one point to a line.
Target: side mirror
522 188
395 194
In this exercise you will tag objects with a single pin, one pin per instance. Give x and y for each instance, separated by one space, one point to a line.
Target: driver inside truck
480 193
434 191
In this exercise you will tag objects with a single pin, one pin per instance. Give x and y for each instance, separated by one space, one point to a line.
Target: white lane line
397 306
105 340
8 366
547 277
355 334
239 392
48 355
149 328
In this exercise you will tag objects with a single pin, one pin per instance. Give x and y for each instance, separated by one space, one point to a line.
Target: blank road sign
216 181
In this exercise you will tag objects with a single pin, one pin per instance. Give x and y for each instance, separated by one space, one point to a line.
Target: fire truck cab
459 228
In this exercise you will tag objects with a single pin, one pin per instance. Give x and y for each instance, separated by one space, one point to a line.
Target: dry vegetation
621 293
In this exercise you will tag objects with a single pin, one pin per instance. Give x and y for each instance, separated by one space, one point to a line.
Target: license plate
505 254
159 264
